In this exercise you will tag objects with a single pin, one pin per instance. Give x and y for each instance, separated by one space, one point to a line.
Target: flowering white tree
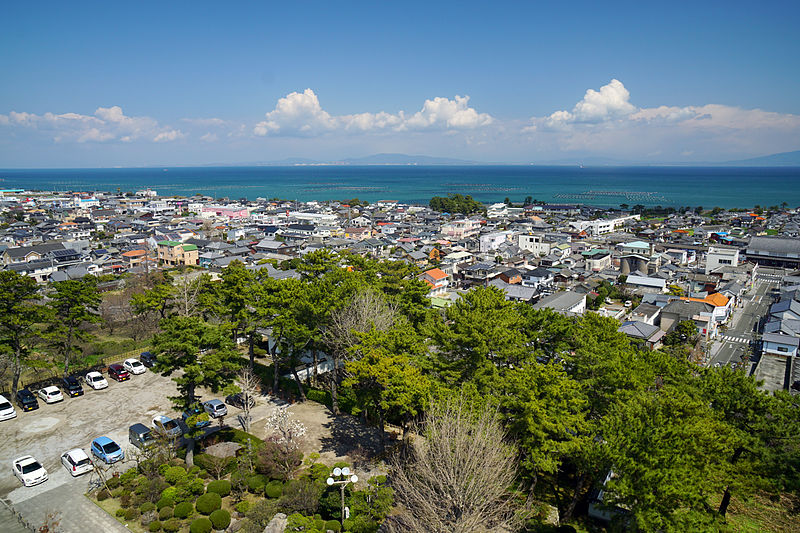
281 453
285 430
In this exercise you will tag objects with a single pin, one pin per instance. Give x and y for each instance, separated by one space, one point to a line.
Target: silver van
140 436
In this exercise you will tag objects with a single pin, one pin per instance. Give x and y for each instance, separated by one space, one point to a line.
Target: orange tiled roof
134 253
436 273
717 299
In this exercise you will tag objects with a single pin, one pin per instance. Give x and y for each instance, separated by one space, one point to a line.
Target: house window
783 349
724 261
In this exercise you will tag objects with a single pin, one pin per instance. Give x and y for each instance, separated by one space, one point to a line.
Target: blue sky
99 84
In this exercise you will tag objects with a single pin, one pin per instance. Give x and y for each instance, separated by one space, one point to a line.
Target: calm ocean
602 186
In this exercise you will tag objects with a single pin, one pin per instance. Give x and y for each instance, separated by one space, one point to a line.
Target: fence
42 377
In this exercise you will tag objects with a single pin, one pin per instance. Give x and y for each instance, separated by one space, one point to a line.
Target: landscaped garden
238 478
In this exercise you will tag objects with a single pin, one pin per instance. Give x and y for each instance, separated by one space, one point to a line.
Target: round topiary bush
154 526
120 512
125 499
171 526
146 507
182 510
274 489
196 486
102 495
208 503
165 501
243 507
333 525
169 493
221 487
175 475
165 513
220 518
201 525
131 514
256 483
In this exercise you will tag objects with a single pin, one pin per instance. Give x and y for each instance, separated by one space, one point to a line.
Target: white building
602 226
534 243
718 256
492 241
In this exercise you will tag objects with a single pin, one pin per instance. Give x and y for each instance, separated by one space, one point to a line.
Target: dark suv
118 372
26 400
147 359
72 386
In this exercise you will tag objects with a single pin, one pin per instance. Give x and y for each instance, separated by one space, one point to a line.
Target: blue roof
102 441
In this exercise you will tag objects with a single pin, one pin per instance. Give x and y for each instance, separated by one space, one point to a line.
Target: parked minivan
140 436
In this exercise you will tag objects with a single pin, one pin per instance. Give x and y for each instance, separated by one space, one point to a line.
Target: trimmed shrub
165 501
183 510
102 495
172 525
175 475
333 525
242 507
162 468
220 518
196 486
125 499
131 514
128 476
208 503
255 484
120 512
274 489
195 470
319 524
221 487
154 526
113 482
319 396
169 494
165 513
146 507
201 525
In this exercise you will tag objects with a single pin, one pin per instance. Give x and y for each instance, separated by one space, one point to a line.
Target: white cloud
169 135
209 137
606 122
301 114
107 124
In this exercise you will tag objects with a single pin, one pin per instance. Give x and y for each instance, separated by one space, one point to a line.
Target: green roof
169 243
189 247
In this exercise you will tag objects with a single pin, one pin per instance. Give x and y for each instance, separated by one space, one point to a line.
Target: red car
118 372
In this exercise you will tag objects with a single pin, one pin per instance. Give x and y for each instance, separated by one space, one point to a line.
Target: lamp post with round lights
342 477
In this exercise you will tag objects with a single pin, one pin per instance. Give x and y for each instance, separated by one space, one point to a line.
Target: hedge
201 525
165 513
208 503
172 525
183 510
154 526
220 518
333 525
221 487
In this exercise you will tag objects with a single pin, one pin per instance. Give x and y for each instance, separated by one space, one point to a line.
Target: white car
29 471
76 462
134 366
7 410
51 394
167 426
96 380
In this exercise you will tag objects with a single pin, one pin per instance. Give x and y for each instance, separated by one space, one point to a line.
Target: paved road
736 341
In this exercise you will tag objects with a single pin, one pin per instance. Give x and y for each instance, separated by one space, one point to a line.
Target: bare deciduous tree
249 385
367 310
458 474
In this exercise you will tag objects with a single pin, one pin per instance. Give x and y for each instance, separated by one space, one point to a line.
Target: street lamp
347 478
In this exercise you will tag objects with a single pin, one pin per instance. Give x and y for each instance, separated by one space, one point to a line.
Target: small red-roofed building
438 280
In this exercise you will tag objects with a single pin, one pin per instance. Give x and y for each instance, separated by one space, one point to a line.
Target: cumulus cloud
301 114
606 122
107 124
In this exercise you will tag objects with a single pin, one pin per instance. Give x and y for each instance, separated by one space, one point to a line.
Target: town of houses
718 271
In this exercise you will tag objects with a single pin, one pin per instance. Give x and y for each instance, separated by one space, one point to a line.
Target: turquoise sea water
602 186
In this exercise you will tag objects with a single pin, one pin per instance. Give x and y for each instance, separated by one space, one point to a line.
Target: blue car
107 450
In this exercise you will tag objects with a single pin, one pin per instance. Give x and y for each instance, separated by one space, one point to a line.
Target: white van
7 410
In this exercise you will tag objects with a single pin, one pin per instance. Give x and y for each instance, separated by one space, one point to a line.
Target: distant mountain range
785 159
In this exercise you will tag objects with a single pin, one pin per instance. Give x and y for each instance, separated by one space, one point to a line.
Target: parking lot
52 429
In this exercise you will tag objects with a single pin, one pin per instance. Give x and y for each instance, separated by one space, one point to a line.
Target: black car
147 359
72 386
26 400
237 400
